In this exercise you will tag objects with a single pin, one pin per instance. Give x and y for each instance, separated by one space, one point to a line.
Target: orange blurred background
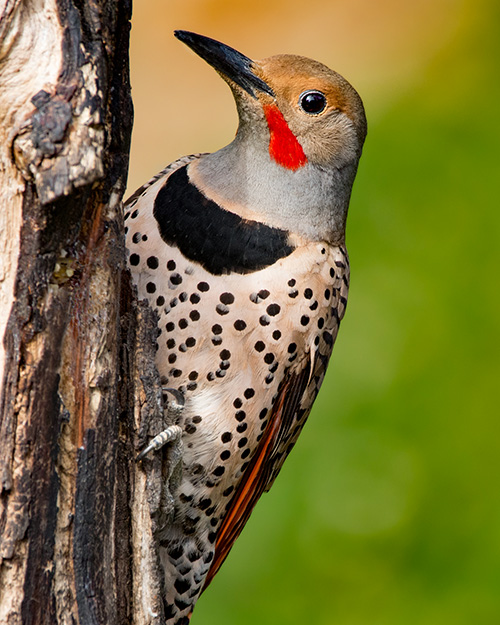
182 106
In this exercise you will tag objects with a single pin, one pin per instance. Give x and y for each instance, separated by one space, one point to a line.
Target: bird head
295 112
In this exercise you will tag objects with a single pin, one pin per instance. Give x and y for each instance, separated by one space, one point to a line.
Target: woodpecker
242 254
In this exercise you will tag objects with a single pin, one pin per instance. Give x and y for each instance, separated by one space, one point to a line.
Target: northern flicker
242 254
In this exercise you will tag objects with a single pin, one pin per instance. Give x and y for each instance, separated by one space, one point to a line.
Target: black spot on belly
194 555
222 242
181 585
328 338
177 552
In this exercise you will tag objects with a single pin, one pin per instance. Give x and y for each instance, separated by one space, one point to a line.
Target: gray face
310 196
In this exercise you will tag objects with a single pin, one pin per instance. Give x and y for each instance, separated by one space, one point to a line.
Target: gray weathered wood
76 350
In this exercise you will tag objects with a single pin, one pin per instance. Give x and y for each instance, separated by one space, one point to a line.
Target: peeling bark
78 517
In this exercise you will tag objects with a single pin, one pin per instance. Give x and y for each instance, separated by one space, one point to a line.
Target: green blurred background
387 511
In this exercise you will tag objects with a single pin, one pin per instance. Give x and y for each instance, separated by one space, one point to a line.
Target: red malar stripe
283 146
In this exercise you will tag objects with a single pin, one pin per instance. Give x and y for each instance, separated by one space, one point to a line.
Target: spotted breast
246 337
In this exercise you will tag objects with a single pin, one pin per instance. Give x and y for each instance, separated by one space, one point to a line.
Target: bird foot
172 433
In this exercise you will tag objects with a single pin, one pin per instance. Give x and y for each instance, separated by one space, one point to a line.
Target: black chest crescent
221 241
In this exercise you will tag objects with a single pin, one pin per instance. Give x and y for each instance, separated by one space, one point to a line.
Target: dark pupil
313 102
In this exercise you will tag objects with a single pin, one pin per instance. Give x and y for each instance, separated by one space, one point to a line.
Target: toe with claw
172 433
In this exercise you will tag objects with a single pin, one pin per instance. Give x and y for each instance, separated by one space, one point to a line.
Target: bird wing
264 466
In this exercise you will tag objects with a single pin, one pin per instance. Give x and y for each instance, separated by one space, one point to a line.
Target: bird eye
312 102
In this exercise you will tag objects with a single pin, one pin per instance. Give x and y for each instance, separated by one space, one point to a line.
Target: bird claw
173 433
178 403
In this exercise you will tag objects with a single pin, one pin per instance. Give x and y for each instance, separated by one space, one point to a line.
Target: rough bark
76 534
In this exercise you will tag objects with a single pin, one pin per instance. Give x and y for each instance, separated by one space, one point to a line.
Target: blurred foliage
387 511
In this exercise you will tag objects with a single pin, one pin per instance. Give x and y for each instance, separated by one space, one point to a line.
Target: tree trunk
78 517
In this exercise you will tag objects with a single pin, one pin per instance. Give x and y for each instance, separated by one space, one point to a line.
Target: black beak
228 61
